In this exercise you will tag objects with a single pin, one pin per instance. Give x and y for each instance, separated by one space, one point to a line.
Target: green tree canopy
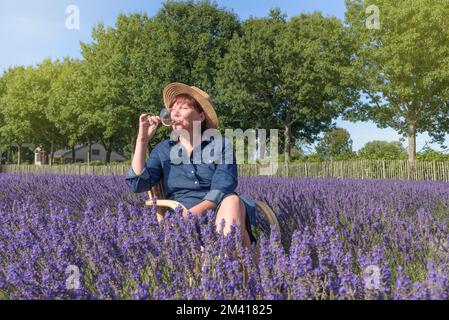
383 150
403 66
23 105
71 106
14 107
109 73
191 38
336 144
290 75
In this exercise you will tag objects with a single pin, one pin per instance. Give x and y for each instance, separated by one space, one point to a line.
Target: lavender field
89 237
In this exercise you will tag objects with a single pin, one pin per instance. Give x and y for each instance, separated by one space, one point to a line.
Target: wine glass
166 117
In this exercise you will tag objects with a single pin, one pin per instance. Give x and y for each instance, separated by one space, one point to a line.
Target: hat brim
176 88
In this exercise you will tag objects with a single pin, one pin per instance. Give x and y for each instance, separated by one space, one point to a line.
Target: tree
191 39
16 116
24 106
383 150
107 69
71 107
403 66
336 144
46 129
290 75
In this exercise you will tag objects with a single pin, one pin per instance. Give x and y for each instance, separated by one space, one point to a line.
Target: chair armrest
269 214
163 203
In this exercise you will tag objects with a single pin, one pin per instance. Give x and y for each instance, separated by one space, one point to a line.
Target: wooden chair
163 204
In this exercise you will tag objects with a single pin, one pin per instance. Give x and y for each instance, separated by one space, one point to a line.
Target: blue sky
33 30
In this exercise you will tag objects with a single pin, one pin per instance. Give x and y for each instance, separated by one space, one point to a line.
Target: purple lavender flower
332 230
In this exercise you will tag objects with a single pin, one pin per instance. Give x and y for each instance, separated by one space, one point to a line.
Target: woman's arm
147 128
201 208
138 163
148 176
143 176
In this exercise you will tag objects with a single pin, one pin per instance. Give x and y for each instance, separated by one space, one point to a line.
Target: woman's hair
191 102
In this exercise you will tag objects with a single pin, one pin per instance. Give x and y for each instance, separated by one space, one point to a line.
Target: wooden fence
358 169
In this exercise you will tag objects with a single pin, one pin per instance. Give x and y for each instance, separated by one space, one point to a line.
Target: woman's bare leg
232 210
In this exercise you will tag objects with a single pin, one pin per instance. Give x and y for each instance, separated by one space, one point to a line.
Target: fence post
434 166
342 176
408 170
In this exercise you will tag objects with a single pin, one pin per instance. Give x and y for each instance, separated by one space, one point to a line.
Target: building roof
64 152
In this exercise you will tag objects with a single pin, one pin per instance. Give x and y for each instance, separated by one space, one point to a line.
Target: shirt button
192 171
196 182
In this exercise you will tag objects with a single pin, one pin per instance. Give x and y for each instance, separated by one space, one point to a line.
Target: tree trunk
73 154
52 153
108 148
108 153
19 153
411 136
89 152
287 140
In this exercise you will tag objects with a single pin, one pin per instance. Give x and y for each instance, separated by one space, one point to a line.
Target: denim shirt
188 183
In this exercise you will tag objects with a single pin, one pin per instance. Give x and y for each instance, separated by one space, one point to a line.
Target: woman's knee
231 200
232 207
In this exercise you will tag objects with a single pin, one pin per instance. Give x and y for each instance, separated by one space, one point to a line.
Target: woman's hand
148 126
201 208
196 212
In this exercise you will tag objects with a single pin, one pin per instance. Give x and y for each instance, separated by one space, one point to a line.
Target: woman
199 187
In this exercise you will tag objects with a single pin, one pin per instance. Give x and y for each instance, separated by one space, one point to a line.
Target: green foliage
109 82
430 155
283 74
383 150
309 158
24 104
69 106
336 144
191 38
403 67
15 105
26 154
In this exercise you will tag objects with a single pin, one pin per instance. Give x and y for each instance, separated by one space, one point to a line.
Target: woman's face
183 114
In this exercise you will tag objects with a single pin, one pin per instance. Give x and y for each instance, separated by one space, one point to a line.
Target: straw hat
175 88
